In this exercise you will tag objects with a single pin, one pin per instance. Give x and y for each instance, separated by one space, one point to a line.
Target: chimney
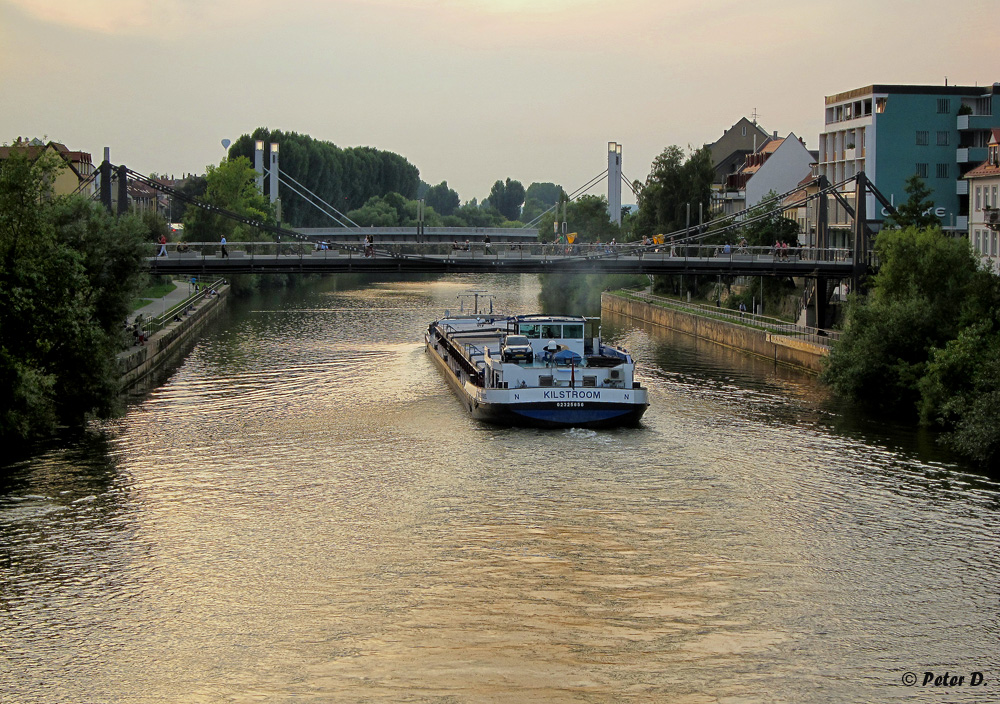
776 134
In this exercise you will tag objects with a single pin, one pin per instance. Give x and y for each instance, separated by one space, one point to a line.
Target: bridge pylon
273 178
258 163
615 182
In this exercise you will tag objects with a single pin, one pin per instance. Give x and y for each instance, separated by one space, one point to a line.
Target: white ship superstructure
560 378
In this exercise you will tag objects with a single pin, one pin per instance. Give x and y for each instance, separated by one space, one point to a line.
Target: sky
469 91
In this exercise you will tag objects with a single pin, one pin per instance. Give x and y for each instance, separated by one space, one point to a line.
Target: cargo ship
536 371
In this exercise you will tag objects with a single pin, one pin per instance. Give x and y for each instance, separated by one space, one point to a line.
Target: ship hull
545 408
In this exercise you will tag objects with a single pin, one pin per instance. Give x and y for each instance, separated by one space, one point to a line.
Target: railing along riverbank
816 336
149 325
767 339
164 337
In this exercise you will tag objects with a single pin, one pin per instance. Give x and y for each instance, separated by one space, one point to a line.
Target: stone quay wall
139 361
782 349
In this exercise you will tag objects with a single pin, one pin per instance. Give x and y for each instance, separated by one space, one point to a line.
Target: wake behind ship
536 371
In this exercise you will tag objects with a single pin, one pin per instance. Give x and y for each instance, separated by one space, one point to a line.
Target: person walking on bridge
225 252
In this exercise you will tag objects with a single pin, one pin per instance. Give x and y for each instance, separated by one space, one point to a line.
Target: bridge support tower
258 163
615 182
861 186
273 179
105 172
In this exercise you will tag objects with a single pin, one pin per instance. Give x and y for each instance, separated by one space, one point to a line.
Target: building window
744 130
922 170
942 171
942 139
944 106
880 104
993 200
993 244
979 198
976 244
923 138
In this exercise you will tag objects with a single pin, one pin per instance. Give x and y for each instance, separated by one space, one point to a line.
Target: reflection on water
305 512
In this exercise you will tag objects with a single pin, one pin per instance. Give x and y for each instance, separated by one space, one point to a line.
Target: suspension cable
197 202
283 175
736 222
294 189
571 197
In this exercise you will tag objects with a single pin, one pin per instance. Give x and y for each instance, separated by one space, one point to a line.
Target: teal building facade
894 131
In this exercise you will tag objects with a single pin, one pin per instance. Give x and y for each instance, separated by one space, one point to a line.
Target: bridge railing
506 251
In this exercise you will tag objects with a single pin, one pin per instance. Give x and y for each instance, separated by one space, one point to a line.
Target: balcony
961 187
975 122
970 155
850 154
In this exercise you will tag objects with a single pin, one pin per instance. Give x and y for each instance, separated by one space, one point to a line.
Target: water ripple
303 511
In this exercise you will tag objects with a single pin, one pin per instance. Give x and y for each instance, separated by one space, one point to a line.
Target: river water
304 512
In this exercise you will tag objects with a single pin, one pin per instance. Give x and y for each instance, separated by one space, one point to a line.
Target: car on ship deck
517 348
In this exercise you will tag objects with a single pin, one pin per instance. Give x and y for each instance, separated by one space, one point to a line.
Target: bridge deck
513 261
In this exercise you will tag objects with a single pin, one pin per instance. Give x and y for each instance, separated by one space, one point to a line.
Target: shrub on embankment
68 273
925 342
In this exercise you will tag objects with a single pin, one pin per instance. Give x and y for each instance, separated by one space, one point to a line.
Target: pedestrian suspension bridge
356 249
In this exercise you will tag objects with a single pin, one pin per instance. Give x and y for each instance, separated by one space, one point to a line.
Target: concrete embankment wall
139 362
779 348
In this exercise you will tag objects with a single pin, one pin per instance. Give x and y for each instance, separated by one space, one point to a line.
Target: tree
507 197
548 194
473 215
532 209
193 187
673 184
927 339
918 209
540 197
770 224
587 216
375 213
960 392
230 185
344 178
444 200
919 300
68 272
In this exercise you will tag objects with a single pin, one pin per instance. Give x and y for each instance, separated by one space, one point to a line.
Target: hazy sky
470 91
